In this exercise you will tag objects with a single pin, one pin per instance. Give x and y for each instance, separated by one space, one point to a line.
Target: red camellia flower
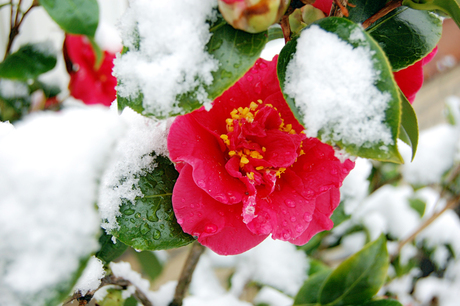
88 83
247 170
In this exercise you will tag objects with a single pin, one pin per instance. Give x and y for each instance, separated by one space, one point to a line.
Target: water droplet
226 74
221 198
138 215
345 171
180 220
334 171
156 234
307 217
285 223
286 235
249 78
210 228
201 184
293 219
290 203
183 200
152 215
299 228
284 211
192 205
129 212
137 250
258 88
145 228
162 226
237 65
191 214
221 213
200 214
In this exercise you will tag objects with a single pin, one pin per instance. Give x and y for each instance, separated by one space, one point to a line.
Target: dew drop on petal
307 217
286 235
284 211
180 221
258 88
299 228
201 184
290 203
249 78
183 200
293 219
284 223
192 214
221 213
210 228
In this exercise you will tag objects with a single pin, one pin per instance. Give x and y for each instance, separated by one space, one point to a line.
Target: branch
187 272
451 204
339 8
390 6
16 23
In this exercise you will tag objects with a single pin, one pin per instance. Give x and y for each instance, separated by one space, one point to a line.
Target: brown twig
187 272
451 204
339 8
110 280
390 6
16 22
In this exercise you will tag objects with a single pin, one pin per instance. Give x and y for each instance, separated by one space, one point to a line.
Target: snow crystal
435 155
333 86
274 263
170 58
107 38
272 297
90 280
272 48
50 166
131 158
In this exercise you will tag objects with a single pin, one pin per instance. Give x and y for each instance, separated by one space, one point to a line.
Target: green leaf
406 35
316 266
131 301
409 125
383 302
29 61
309 292
386 84
450 7
74 16
418 205
236 52
150 264
274 33
359 278
13 107
364 9
109 251
149 223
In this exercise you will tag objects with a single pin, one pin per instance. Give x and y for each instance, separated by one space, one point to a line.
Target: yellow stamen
260 168
244 160
225 139
232 153
259 101
255 154
250 175
253 106
280 170
264 149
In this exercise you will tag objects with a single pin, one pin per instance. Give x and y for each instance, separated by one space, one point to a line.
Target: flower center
248 134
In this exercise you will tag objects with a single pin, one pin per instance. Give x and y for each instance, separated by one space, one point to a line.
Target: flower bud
252 16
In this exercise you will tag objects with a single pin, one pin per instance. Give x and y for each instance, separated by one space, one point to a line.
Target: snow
272 297
337 98
355 186
274 263
171 58
272 48
90 280
435 155
50 166
131 158
13 89
5 128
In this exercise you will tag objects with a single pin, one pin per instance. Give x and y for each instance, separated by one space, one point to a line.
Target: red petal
190 143
325 205
324 5
217 226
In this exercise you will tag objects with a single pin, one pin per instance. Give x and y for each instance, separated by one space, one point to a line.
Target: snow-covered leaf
340 86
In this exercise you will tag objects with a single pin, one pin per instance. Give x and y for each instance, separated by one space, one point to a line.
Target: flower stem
187 272
390 6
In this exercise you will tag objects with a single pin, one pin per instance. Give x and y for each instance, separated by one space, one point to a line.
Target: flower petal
217 226
203 152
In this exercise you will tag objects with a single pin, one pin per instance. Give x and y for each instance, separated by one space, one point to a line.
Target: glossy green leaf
309 292
359 278
383 302
316 266
29 61
109 251
274 33
114 297
409 125
418 205
13 107
150 223
74 16
450 7
361 10
150 264
236 51
386 84
406 35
